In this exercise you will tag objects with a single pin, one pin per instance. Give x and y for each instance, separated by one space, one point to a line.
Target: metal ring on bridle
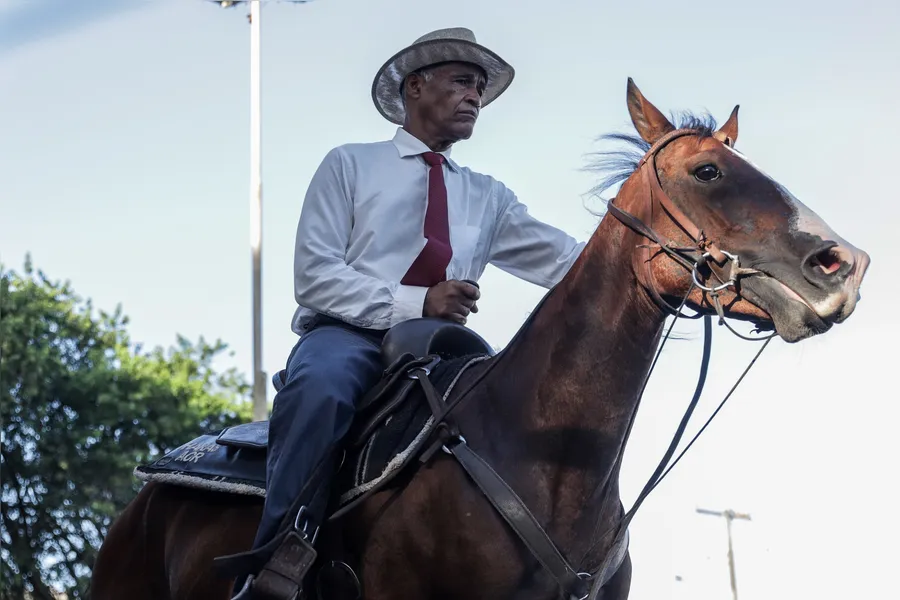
717 288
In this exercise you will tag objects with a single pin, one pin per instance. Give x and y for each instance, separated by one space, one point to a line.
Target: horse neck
566 388
586 353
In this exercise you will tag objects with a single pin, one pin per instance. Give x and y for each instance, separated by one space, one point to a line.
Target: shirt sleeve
528 248
322 279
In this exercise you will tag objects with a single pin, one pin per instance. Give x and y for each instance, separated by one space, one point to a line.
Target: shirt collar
409 145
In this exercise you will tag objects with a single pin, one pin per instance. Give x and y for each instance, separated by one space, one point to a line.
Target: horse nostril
828 262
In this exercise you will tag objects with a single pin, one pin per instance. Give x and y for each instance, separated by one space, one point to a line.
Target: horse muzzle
825 292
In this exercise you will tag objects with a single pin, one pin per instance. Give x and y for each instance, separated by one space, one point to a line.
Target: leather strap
677 215
505 500
643 265
614 559
282 577
398 396
389 378
502 497
514 511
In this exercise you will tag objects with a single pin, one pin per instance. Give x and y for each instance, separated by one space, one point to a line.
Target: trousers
329 370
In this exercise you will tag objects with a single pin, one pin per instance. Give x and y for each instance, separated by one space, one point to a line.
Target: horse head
723 232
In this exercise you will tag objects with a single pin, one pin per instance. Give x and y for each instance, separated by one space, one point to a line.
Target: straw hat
455 44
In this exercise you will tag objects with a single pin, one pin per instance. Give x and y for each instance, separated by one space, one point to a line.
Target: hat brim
389 79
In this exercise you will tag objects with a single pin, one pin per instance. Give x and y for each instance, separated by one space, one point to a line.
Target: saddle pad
402 435
234 460
207 463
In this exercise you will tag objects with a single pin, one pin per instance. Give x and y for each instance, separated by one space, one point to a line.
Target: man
388 232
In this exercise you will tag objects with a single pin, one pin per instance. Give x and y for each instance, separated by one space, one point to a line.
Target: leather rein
725 267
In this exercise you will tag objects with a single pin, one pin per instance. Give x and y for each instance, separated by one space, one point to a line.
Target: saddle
418 338
234 459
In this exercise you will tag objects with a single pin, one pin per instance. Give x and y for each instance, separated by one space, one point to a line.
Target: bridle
725 267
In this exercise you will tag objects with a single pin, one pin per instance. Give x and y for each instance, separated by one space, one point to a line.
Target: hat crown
450 33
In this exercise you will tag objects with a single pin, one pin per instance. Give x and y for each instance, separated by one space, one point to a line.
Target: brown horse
552 412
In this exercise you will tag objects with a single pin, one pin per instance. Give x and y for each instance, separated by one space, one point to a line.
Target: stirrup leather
283 575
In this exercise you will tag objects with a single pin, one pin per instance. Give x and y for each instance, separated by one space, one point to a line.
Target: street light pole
729 516
260 407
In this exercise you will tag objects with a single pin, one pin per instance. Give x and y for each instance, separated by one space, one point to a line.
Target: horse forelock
618 164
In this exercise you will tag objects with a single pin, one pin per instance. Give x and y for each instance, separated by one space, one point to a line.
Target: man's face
449 102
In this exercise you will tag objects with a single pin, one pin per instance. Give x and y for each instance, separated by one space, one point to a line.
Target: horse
694 225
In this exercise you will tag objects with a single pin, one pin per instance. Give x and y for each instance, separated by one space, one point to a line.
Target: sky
124 154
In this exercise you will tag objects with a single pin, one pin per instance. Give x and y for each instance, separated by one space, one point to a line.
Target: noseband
724 266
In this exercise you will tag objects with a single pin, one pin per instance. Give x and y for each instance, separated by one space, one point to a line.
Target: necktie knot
433 158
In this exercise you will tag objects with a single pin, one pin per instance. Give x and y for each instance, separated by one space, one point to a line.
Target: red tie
430 267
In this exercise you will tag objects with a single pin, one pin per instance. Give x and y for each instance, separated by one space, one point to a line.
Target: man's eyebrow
469 75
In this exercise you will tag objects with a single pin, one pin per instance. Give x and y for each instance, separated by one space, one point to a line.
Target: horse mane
617 165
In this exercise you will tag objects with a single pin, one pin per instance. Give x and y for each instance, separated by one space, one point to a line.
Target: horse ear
649 122
727 133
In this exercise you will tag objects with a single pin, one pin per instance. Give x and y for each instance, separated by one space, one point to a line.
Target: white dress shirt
362 226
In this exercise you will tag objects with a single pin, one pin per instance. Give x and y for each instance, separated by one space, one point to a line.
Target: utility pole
729 516
260 406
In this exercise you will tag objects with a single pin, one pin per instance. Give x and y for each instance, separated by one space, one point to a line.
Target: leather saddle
422 336
428 335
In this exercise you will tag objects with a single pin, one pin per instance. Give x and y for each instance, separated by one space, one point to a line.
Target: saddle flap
253 436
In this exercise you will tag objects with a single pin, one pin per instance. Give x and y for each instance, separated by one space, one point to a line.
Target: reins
710 253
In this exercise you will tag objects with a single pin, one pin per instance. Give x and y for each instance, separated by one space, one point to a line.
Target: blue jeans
328 372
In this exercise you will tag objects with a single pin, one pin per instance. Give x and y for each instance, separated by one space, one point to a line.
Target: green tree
80 406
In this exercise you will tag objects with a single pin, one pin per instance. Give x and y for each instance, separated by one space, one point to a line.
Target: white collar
409 145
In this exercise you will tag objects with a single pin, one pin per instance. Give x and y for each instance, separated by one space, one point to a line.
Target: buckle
426 368
457 439
304 533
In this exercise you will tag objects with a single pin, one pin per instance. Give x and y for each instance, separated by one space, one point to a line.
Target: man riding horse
391 231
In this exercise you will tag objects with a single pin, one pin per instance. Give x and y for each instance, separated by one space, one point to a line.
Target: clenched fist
452 300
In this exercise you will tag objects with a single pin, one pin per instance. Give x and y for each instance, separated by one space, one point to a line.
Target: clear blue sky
124 160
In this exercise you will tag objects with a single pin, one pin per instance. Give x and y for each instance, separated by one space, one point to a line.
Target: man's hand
452 300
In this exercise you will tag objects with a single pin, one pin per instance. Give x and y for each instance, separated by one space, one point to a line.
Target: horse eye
707 173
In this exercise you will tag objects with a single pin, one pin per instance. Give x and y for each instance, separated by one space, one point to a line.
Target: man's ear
412 86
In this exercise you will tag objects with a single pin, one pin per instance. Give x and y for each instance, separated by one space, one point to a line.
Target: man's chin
463 131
